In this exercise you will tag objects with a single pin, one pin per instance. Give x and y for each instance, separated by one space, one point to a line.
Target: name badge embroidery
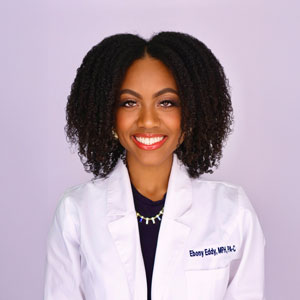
213 251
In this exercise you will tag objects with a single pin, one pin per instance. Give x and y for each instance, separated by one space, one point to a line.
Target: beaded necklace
147 219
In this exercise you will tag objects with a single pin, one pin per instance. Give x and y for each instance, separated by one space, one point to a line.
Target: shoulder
223 192
78 192
77 198
227 201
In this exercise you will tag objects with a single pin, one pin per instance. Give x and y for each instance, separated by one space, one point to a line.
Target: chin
152 158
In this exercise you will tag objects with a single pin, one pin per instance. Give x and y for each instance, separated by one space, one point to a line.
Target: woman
149 117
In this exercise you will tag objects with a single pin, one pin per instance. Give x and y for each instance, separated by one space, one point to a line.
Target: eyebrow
165 90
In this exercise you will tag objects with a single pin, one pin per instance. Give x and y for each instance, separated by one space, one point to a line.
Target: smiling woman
149 117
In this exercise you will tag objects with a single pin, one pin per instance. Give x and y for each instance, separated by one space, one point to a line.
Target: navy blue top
148 232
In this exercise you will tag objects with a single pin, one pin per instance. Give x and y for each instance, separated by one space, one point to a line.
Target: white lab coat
210 244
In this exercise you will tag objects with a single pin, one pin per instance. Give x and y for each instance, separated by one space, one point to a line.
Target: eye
168 103
128 103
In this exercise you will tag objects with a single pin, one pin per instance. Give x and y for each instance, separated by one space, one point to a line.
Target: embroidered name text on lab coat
213 251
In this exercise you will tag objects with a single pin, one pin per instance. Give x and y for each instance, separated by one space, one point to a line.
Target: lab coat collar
174 228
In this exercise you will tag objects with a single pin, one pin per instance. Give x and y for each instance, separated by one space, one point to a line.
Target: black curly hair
206 109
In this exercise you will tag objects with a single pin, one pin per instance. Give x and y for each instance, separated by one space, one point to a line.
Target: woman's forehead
148 73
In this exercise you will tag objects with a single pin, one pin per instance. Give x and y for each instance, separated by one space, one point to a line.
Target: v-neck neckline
146 200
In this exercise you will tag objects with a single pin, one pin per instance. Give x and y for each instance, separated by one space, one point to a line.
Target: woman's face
148 113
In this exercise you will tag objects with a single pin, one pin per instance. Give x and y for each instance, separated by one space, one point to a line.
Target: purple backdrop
42 45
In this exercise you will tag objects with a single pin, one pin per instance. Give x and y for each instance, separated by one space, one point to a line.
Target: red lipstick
149 135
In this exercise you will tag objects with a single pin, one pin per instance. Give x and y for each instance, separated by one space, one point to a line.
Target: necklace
147 219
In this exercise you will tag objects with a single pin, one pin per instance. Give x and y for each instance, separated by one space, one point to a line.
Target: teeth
149 141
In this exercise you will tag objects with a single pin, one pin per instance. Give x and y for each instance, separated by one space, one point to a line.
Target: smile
149 143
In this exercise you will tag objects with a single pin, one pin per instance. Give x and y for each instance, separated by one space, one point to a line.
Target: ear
184 134
182 138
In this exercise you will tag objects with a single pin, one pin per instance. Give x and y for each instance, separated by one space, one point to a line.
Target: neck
150 181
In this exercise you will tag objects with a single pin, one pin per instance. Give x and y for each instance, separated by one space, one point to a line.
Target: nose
148 118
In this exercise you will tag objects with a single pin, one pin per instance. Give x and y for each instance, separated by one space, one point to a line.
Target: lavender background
42 44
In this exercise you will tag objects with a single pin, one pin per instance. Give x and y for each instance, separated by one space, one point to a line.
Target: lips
149 135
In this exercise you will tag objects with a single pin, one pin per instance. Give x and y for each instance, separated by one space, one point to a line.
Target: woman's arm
62 278
247 273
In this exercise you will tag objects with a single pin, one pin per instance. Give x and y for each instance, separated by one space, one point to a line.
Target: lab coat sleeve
247 273
62 276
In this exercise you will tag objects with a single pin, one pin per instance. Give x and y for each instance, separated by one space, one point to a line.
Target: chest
193 258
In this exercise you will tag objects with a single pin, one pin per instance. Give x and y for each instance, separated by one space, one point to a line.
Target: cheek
173 121
123 121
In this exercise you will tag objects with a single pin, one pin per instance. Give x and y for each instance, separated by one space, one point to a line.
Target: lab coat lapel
123 226
174 229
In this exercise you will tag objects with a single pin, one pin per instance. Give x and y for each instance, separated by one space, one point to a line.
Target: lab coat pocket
206 284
